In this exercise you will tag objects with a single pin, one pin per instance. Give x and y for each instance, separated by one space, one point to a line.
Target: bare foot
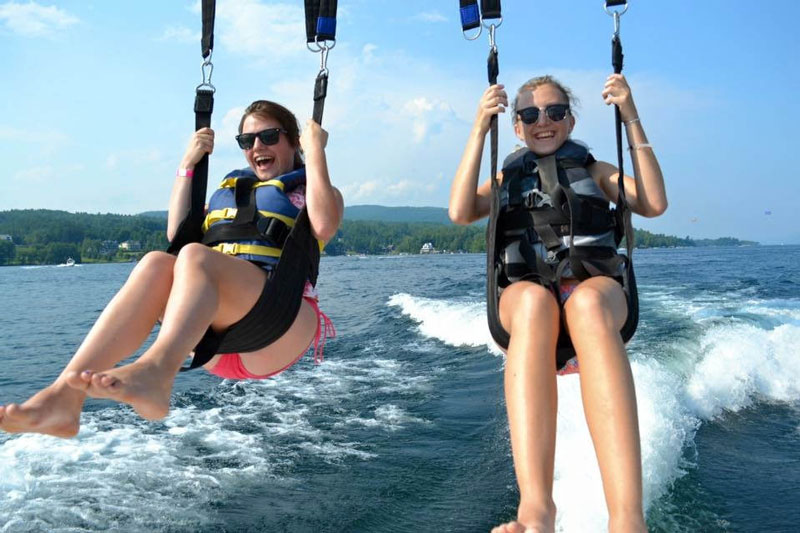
54 410
530 520
143 386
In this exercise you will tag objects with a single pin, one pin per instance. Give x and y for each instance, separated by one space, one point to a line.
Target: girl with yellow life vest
209 296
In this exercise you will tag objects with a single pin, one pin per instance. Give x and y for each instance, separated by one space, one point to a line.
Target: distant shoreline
47 237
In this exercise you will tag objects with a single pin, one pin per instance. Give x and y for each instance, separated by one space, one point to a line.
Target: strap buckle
229 248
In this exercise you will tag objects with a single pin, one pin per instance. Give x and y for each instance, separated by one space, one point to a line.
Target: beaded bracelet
640 146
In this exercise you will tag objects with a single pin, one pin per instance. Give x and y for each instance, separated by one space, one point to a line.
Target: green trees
7 252
50 237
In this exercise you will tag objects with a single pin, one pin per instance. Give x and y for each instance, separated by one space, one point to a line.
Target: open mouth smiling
263 161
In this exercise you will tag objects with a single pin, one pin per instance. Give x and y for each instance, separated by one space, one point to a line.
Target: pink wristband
186 173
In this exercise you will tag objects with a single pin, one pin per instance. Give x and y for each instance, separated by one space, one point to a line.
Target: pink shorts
230 366
571 366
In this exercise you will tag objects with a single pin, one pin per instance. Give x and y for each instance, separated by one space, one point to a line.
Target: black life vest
549 221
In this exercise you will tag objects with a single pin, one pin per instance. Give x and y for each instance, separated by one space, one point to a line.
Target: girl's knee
155 263
600 301
529 305
193 255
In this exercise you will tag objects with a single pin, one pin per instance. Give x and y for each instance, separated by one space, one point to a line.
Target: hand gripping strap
190 229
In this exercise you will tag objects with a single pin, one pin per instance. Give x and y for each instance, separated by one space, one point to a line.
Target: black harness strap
490 9
209 13
190 229
277 307
320 28
622 211
282 294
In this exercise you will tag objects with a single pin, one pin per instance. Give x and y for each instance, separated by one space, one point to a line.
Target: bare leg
119 331
209 289
530 314
595 312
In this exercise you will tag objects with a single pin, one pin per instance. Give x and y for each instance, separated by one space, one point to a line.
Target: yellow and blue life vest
250 218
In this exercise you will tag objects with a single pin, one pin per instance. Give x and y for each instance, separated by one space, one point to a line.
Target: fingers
617 91
493 102
313 136
203 140
494 99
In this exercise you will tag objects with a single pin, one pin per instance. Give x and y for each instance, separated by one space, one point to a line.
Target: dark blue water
403 427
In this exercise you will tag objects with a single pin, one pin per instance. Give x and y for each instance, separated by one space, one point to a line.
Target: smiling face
268 161
543 137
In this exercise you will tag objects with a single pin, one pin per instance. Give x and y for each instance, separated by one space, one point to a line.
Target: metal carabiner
616 14
207 77
323 60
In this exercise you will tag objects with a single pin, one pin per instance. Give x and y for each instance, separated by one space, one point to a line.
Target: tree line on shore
38 236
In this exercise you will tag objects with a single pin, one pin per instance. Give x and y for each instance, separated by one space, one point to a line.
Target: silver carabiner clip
207 64
615 14
492 29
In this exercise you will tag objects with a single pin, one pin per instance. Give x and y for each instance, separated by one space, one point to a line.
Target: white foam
733 364
743 363
454 323
121 473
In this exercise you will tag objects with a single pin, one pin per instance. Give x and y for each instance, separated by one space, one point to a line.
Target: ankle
628 521
536 510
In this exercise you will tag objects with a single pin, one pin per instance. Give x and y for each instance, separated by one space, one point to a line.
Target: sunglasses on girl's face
268 136
555 112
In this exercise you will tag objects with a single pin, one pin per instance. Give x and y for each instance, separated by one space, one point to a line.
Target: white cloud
180 34
36 175
135 158
271 32
430 16
10 133
368 53
34 20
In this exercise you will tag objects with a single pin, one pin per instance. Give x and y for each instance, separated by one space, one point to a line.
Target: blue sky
98 98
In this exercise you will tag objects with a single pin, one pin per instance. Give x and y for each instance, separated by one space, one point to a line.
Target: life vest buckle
535 199
228 248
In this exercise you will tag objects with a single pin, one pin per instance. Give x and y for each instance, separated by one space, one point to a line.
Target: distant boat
68 263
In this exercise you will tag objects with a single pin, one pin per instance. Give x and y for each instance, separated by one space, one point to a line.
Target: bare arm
468 202
324 201
645 192
201 143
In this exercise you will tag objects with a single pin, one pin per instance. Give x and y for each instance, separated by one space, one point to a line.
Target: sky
97 98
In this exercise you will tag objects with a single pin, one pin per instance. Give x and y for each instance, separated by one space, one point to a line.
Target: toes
78 380
103 381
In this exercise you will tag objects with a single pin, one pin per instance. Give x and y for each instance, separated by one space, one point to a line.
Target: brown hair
266 109
533 83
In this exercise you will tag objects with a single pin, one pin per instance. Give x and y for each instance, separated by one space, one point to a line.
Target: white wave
123 474
731 366
454 323
742 363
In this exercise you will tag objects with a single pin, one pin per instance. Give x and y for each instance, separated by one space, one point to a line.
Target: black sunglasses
555 112
268 136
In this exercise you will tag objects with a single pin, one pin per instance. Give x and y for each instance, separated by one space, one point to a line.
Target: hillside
40 236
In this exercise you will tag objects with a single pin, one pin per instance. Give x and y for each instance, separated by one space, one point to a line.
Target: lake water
403 427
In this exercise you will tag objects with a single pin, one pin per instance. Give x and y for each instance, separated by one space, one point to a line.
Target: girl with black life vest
537 305
201 291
